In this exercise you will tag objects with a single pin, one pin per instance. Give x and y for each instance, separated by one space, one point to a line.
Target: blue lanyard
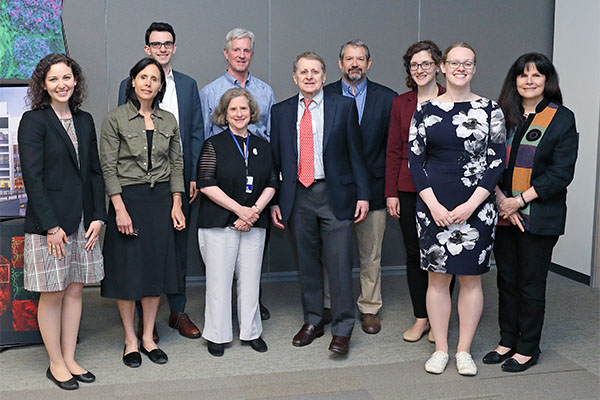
244 155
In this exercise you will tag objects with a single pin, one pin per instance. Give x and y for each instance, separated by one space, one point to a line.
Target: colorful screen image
13 199
29 30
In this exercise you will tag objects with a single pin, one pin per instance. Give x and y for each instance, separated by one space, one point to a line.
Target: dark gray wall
107 38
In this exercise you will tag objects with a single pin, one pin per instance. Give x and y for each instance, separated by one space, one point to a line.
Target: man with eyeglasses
374 104
182 100
238 52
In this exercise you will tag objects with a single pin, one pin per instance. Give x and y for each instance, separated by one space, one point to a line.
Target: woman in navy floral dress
456 158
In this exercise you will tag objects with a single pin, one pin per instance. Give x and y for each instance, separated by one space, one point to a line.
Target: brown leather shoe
307 334
340 344
140 331
185 326
370 323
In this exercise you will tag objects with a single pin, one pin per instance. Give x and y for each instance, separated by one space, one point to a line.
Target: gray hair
355 43
311 55
219 116
238 33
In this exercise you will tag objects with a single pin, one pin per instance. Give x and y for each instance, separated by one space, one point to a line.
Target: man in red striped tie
324 190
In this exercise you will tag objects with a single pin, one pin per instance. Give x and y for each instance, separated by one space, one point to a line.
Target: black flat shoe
157 356
88 377
512 365
71 384
257 344
133 359
493 357
216 349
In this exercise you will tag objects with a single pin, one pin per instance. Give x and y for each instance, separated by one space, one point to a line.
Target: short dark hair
219 116
159 27
139 66
355 43
38 97
511 101
415 48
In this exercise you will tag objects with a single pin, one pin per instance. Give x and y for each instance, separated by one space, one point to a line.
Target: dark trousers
523 260
416 277
323 241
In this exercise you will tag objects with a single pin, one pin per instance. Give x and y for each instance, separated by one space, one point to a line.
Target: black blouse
221 164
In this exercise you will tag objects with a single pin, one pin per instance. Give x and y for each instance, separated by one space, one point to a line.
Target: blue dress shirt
360 96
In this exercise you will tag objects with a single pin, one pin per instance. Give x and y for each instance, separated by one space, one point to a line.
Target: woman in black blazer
65 210
542 147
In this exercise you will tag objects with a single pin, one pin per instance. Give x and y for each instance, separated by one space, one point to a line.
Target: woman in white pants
235 175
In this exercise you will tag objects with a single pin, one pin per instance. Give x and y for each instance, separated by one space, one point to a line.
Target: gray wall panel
499 31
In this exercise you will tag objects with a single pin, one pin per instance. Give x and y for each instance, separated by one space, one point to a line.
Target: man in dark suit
374 104
183 101
316 144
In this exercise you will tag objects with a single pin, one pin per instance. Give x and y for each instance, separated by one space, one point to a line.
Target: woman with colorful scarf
541 151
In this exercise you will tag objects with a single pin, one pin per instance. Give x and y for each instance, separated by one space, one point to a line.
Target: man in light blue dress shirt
374 104
238 51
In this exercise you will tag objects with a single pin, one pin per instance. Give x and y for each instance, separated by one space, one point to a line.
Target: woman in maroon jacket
422 62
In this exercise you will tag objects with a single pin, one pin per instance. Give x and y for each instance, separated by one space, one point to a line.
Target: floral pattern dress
454 148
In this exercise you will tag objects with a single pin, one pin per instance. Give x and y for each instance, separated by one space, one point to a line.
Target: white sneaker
437 362
465 364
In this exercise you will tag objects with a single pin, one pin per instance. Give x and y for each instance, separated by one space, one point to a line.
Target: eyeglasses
158 45
426 65
454 64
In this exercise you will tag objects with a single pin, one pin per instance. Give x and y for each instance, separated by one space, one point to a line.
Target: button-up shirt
318 120
359 95
261 91
169 101
124 150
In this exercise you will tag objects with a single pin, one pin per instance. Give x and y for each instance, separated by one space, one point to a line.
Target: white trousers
227 253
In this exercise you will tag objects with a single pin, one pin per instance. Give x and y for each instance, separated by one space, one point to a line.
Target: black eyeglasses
158 45
426 65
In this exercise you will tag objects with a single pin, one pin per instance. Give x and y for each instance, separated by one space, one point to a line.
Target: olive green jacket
124 151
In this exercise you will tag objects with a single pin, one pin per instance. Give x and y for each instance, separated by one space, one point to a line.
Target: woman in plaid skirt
65 210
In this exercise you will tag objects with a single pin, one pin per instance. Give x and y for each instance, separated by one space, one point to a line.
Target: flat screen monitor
13 200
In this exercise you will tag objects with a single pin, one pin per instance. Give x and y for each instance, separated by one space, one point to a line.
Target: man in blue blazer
324 190
183 101
374 104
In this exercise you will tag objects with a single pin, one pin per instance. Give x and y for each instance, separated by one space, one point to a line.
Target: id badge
249 184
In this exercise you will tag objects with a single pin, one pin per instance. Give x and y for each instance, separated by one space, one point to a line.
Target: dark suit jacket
57 188
553 170
374 128
345 170
191 127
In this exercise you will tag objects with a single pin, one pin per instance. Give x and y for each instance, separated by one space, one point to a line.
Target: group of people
326 164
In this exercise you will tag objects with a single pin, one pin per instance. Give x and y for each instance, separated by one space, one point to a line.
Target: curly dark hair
415 48
137 68
38 97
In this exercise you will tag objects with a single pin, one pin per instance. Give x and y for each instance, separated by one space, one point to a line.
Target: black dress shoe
512 365
216 349
133 359
157 356
70 384
257 344
264 312
88 377
307 334
493 357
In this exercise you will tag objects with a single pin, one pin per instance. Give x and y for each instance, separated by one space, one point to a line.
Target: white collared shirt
318 119
169 101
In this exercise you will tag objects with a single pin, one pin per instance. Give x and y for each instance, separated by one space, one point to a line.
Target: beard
355 75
